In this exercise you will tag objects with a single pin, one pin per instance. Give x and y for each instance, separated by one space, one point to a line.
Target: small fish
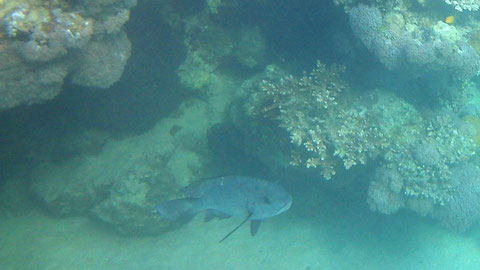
449 20
231 196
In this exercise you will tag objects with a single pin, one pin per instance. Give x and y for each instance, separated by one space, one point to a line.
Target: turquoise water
368 114
342 238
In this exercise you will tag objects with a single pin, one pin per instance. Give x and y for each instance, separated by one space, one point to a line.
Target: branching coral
319 127
356 136
304 104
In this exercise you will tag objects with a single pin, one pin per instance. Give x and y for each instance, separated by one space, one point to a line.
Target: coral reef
462 211
112 23
22 84
399 43
416 153
419 169
118 182
122 183
210 44
308 109
366 22
316 122
41 42
461 5
251 48
207 48
70 30
101 62
303 106
385 192
448 142
419 164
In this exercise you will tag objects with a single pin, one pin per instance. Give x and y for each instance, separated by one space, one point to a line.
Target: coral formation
69 30
209 44
303 106
462 211
112 23
461 5
417 153
422 160
422 169
101 62
122 184
207 48
21 84
308 109
440 48
41 42
251 48
385 192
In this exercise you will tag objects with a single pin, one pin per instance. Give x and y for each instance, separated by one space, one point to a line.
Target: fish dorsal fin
254 226
236 228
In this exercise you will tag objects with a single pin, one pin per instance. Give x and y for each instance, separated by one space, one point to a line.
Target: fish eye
266 200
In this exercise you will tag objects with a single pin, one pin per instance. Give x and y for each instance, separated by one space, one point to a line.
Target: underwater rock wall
42 41
122 185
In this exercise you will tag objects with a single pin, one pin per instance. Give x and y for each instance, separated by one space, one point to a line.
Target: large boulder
122 184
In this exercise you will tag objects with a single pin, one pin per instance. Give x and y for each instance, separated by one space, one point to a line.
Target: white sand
33 240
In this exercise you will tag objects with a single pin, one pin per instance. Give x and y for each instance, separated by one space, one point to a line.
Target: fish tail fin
179 209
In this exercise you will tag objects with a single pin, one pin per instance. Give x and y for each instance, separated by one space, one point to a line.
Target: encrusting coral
399 40
41 42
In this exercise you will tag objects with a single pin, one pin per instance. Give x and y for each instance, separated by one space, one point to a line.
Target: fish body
231 196
449 19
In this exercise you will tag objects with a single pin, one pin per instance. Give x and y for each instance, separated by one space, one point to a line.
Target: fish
449 19
252 199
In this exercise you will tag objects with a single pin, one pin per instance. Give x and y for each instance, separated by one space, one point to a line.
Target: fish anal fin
254 226
178 209
211 214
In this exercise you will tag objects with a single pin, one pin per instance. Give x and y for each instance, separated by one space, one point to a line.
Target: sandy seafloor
314 238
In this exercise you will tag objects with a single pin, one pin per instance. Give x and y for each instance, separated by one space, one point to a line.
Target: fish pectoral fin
209 215
254 226
236 228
